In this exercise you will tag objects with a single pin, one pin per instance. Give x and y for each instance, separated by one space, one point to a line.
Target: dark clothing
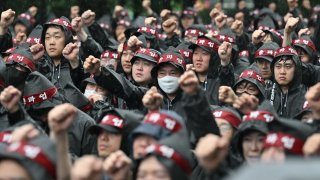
5 42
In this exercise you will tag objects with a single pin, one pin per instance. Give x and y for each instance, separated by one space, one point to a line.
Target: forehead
285 61
167 67
253 133
199 49
246 83
54 30
152 163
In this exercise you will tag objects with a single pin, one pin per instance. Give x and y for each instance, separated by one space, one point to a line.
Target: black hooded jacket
288 104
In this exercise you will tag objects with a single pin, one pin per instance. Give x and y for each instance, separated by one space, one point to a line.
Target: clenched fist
224 52
118 166
88 17
291 25
37 51
152 100
237 27
169 26
61 117
7 18
227 95
71 53
92 65
189 83
10 98
257 36
313 98
87 167
246 103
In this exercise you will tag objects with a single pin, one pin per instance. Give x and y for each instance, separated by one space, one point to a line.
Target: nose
254 146
265 65
51 41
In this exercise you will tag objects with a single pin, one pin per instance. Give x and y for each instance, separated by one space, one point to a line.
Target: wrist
225 62
3 30
82 35
74 63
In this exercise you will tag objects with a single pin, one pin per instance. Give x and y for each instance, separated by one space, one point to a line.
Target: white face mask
168 84
89 92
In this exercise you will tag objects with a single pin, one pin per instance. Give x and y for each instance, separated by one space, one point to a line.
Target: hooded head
188 17
172 157
248 140
306 49
185 51
25 19
263 58
193 32
248 78
169 68
155 126
37 157
19 65
115 123
35 35
286 67
275 36
287 139
40 96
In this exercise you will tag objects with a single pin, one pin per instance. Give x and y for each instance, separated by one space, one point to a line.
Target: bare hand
227 95
88 17
152 100
291 25
211 151
92 65
37 51
7 18
21 37
76 24
134 43
71 53
221 20
61 117
169 26
258 36
24 133
150 21
312 145
10 98
305 31
189 83
214 13
237 27
118 166
246 103
165 14
313 98
224 52
87 167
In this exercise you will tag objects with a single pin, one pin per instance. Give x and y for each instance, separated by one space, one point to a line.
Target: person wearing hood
187 19
40 96
112 132
212 71
285 141
193 32
287 93
60 62
22 27
306 49
7 18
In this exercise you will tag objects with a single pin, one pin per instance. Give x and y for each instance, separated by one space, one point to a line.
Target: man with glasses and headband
287 92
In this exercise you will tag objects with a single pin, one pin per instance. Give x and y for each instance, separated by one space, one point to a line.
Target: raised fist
257 36
152 100
10 98
61 117
224 52
92 65
189 83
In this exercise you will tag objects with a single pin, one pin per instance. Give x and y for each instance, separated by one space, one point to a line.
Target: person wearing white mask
166 73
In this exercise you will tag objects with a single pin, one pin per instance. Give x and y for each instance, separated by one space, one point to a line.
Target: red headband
40 97
305 42
264 116
124 22
264 52
287 141
230 117
169 153
62 22
271 30
33 40
252 74
172 58
28 17
109 54
5 137
207 43
244 54
148 52
188 12
162 120
186 53
34 153
112 120
23 59
193 32
285 51
148 30
222 38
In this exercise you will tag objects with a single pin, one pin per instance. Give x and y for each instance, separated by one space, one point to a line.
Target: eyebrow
54 33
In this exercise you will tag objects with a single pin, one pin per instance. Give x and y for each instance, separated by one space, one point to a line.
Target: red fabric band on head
271 30
5 137
264 116
35 154
284 140
222 38
207 43
193 32
23 59
285 51
185 53
244 54
252 74
28 17
40 97
149 53
228 116
264 52
62 22
109 54
172 58
169 153
305 42
162 120
188 12
33 40
148 30
112 120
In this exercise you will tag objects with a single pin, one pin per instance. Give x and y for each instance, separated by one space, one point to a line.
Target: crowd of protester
157 97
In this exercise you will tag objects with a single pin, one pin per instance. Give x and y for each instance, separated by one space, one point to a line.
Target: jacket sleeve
198 115
91 47
226 75
121 87
173 41
99 35
77 75
5 42
311 74
243 41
